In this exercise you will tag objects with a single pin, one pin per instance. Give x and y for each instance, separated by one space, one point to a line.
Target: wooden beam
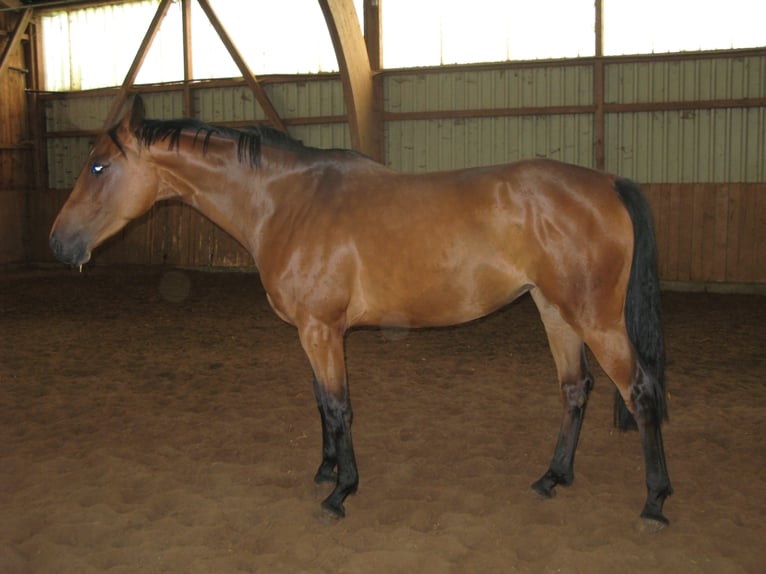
599 115
356 74
15 39
187 49
130 77
373 33
255 86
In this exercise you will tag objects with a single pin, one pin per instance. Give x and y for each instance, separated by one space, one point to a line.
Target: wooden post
599 116
356 73
372 38
187 49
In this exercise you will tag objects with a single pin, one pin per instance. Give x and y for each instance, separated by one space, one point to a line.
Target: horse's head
114 187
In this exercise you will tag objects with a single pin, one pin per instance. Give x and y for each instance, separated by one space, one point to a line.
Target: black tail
643 308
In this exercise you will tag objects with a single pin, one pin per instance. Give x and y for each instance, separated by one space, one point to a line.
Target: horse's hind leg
616 355
575 383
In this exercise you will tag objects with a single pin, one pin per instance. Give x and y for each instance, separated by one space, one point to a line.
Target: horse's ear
137 114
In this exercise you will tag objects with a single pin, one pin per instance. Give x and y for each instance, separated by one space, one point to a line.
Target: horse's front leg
326 472
323 345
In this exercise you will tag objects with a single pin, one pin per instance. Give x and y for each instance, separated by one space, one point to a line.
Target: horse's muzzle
73 252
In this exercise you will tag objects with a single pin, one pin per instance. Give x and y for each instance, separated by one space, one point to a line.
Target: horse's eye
97 168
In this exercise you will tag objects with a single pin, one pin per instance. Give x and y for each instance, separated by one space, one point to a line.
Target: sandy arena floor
164 421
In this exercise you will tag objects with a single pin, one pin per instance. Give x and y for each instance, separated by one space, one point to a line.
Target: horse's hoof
329 515
542 488
652 524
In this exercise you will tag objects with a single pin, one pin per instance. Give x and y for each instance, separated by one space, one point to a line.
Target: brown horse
341 241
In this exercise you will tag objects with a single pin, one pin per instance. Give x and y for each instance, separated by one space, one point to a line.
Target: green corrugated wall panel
683 80
164 105
291 100
334 135
90 112
422 145
425 145
226 104
65 160
75 114
722 145
489 89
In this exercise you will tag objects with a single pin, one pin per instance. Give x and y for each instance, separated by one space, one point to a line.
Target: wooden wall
710 232
16 149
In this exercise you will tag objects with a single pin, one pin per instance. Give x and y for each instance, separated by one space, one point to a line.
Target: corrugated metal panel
723 145
89 112
74 114
325 136
164 105
489 89
670 81
65 160
309 99
291 100
225 104
424 145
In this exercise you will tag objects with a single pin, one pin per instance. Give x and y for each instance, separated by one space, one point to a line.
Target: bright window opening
94 47
434 32
657 26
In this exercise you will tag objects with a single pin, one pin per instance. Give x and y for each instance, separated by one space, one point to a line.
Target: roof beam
255 86
130 77
15 39
356 73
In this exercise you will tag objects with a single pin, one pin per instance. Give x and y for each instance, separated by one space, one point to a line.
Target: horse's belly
442 299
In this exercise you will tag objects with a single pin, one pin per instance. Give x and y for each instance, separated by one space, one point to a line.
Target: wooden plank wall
16 151
710 232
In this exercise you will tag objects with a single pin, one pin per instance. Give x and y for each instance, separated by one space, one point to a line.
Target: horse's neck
219 190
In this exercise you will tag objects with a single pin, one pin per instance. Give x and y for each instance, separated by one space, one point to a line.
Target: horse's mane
249 139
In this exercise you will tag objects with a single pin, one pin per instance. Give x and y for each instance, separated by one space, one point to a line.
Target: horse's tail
643 310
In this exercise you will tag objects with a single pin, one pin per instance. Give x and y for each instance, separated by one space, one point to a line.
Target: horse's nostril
55 246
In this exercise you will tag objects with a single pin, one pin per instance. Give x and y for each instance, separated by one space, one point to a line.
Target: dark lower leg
336 423
649 420
561 470
326 471
658 486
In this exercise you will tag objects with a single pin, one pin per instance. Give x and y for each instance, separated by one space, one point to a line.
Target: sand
164 421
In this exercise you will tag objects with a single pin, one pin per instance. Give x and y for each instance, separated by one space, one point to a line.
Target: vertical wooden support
599 119
372 38
187 49
372 34
356 73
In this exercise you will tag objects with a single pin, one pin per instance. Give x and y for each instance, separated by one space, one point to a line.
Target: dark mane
249 139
